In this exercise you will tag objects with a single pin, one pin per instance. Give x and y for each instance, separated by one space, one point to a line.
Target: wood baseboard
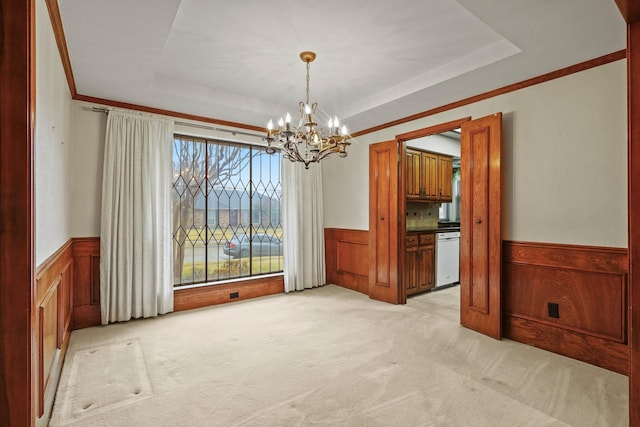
588 287
347 258
202 296
596 351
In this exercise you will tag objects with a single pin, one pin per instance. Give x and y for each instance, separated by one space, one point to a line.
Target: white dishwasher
447 258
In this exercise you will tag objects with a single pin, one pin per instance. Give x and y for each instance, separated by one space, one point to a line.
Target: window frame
251 228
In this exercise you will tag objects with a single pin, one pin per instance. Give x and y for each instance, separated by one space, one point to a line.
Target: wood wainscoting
588 288
203 296
347 258
53 323
86 282
86 287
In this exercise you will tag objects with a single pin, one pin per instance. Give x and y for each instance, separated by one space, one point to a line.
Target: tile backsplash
422 215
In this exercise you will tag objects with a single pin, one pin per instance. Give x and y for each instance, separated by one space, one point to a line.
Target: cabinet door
430 176
426 278
411 269
430 266
412 171
445 169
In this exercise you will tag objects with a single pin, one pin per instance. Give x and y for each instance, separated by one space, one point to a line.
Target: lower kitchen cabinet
419 261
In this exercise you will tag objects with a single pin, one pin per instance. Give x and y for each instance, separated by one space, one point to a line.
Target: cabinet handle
478 221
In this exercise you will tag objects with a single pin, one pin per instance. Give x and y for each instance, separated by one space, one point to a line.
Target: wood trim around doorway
633 118
18 370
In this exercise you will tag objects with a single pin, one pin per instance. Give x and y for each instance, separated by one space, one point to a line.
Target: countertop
440 229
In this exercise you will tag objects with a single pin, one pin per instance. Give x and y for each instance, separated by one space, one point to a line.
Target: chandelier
307 143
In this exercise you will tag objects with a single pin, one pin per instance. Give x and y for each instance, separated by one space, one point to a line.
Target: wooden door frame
630 11
17 116
633 219
402 209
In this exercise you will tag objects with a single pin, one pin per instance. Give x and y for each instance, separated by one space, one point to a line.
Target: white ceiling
377 60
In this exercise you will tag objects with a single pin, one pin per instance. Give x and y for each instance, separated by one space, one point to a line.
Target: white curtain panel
303 227
135 236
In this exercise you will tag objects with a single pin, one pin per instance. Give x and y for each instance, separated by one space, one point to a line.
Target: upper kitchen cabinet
413 181
445 174
428 176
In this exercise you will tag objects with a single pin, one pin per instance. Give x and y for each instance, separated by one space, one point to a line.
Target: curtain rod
194 125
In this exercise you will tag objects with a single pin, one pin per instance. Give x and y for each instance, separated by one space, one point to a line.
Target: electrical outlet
553 310
233 295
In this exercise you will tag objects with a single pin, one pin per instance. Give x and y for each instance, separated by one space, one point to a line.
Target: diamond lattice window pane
226 211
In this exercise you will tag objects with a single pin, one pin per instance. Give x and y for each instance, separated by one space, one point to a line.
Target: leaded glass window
226 211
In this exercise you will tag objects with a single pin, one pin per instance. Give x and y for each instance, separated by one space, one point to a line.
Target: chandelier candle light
306 143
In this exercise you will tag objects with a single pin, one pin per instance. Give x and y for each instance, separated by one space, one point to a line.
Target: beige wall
87 157
564 161
52 143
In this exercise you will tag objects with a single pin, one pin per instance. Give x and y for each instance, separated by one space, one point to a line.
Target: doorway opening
480 217
390 187
432 197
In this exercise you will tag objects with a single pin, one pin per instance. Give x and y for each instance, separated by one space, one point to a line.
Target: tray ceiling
377 61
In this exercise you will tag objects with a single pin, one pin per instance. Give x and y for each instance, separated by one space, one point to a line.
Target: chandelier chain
308 67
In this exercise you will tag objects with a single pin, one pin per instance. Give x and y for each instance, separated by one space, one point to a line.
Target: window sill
241 280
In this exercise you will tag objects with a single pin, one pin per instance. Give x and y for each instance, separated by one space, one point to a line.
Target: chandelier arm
294 153
323 155
328 148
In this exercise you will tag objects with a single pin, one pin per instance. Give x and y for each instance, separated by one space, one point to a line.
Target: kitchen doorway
438 214
390 187
480 215
431 215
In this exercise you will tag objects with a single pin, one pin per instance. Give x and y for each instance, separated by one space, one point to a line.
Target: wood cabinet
419 272
445 177
428 176
413 181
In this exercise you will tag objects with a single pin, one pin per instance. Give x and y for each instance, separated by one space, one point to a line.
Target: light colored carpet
328 357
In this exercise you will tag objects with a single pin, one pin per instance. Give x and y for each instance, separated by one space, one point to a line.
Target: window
451 211
226 211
